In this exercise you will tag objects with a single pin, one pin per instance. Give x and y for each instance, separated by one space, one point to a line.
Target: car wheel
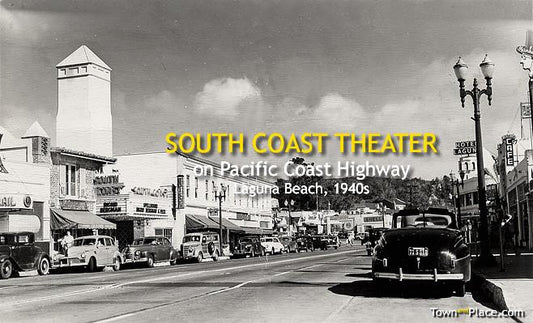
173 259
6 269
273 251
335 247
116 264
200 257
252 254
263 252
44 266
460 289
150 261
215 256
288 249
92 265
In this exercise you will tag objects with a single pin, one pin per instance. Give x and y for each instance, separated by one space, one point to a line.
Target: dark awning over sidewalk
228 225
70 219
199 222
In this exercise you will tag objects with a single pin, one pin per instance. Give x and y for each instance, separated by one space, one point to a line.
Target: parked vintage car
318 242
248 246
423 245
304 243
289 243
93 252
150 250
18 253
200 245
331 241
272 245
372 238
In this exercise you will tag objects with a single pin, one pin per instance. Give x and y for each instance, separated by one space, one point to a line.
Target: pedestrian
66 242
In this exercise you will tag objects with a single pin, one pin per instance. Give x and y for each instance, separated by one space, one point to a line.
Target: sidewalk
511 289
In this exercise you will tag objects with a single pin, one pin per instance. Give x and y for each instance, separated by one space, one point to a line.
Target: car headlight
137 253
191 249
385 262
82 255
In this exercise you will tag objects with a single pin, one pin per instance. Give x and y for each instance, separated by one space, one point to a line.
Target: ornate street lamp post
487 68
220 195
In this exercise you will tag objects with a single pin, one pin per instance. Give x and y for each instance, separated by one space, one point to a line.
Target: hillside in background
418 192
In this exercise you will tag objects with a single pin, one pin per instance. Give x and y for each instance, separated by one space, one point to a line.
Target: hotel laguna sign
15 201
465 147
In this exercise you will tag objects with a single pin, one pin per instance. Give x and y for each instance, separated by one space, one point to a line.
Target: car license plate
418 251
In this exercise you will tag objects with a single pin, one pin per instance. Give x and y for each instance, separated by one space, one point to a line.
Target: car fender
41 255
119 255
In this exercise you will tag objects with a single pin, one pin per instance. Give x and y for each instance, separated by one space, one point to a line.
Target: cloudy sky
280 65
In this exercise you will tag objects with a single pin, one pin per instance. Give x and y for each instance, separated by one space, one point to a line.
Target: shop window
187 185
69 180
206 190
468 199
196 187
214 189
475 198
167 233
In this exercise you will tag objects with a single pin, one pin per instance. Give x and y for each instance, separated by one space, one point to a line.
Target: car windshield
191 238
145 241
425 220
84 241
7 240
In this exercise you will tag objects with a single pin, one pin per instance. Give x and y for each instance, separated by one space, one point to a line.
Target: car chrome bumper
400 276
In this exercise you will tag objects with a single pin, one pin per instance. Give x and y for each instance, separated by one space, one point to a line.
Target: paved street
330 286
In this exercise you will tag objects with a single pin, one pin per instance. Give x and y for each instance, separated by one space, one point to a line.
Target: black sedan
423 246
150 250
248 246
18 253
304 243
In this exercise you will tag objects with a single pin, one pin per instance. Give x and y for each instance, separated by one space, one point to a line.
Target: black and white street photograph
266 161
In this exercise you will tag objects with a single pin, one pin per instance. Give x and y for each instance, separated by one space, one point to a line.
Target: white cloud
163 100
334 106
225 96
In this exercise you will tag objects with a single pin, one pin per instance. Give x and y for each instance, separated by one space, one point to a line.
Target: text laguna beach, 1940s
290 169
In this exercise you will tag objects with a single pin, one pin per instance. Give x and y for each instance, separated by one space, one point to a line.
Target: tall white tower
84 120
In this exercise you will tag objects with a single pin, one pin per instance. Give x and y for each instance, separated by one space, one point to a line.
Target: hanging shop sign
107 185
180 192
525 110
15 201
465 147
509 141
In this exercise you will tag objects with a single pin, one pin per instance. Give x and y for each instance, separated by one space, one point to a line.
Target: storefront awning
199 222
228 225
70 219
258 231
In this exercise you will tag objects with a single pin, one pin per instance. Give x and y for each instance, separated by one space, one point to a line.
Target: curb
488 291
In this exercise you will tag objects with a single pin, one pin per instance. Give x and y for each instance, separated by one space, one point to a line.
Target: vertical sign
180 193
509 141
525 110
